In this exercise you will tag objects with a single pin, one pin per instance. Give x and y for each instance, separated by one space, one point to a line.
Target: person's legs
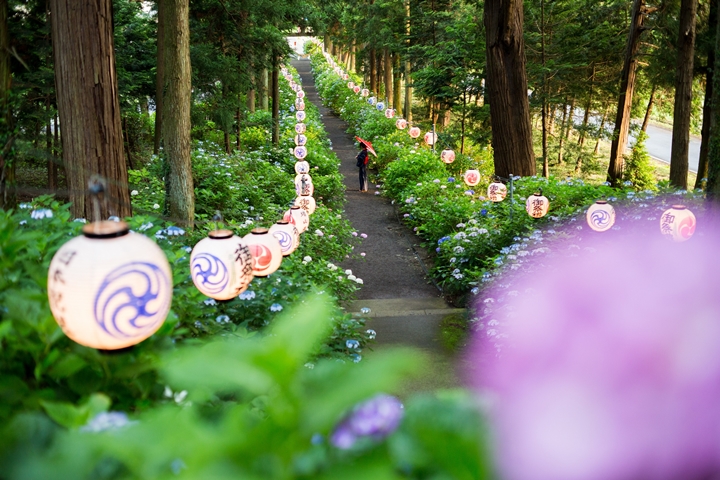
363 179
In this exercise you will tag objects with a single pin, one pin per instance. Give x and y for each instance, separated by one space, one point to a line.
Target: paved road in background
659 145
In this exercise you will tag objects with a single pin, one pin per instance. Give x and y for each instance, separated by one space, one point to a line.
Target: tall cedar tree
683 95
87 98
6 136
713 186
507 88
180 196
627 87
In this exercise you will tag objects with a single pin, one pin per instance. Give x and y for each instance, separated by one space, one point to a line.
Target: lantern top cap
105 229
220 234
294 207
282 222
601 202
679 207
259 231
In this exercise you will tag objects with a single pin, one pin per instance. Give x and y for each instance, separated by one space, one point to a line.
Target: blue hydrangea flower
374 419
276 307
352 344
246 295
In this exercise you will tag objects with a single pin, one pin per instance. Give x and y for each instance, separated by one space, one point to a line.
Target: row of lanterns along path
112 301
677 222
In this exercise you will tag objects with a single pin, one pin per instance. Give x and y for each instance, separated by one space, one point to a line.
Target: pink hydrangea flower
610 364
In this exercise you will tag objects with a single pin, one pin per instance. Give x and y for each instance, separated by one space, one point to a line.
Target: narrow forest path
405 307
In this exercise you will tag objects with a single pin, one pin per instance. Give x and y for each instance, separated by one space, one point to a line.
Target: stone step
402 307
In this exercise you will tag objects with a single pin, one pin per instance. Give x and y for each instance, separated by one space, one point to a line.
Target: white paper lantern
447 156
300 140
300 115
300 94
300 107
401 124
371 100
300 128
265 250
496 192
299 101
600 216
356 89
300 152
365 92
306 202
304 185
345 76
414 132
390 113
537 205
287 236
472 177
380 106
678 223
351 85
302 167
221 265
431 138
110 288
298 217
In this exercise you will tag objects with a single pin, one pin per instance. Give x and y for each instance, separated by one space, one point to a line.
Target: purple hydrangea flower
374 419
611 369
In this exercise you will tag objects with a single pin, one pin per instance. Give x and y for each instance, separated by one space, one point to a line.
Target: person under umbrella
362 160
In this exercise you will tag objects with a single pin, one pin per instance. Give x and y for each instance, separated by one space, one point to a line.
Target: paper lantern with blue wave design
221 265
109 288
287 235
600 216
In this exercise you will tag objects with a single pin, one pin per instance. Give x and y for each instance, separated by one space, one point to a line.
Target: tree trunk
353 55
683 95
397 92
648 110
7 136
180 198
627 88
708 117
159 76
373 71
264 89
275 106
87 97
238 117
713 183
601 130
544 113
507 88
51 169
251 100
388 65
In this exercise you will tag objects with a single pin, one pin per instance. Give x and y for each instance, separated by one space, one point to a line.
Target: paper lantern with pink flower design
365 92
414 132
447 156
678 223
401 124
351 85
298 217
431 138
300 94
265 250
390 113
496 192
472 177
356 89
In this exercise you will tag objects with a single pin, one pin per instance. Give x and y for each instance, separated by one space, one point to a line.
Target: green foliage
638 170
253 408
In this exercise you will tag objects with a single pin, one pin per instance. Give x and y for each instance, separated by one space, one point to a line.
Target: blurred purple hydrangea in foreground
611 368
374 419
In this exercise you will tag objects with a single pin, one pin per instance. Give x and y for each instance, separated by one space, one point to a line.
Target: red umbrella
369 145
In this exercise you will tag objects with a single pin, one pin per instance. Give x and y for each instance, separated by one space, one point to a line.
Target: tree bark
683 95
544 113
388 65
251 100
601 130
275 106
708 117
180 198
87 97
264 89
373 71
507 88
627 88
8 195
397 93
648 110
713 184
159 76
